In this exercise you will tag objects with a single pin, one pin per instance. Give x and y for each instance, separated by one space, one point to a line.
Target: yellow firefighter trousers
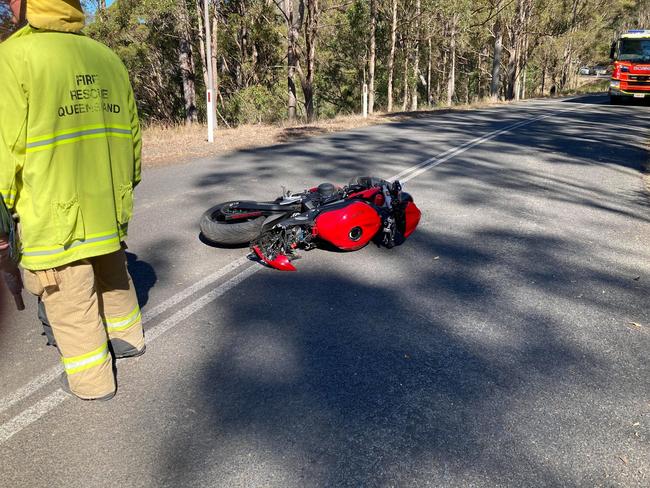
88 303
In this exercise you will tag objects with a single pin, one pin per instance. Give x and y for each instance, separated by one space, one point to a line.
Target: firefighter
69 161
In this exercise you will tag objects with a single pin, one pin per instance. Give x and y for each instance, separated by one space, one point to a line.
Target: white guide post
365 100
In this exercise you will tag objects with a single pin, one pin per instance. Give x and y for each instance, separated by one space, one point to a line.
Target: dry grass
175 144
163 145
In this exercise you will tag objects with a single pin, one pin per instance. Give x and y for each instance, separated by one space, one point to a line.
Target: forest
277 60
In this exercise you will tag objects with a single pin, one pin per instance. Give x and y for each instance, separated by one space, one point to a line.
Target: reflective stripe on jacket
69 145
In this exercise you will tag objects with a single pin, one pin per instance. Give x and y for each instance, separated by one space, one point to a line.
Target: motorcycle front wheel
215 228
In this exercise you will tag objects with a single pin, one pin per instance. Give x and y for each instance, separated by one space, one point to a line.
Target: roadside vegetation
288 60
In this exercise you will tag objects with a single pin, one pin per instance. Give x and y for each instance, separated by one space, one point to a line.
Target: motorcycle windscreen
349 227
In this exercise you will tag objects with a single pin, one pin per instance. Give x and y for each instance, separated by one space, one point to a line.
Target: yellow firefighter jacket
69 138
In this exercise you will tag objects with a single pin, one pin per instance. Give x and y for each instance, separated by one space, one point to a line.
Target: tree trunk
496 61
416 60
371 61
566 63
307 81
479 81
186 64
442 79
524 60
512 73
518 49
405 100
391 57
101 9
451 81
201 32
429 94
215 53
416 78
242 65
566 79
292 40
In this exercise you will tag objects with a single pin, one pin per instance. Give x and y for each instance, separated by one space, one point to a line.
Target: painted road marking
147 316
32 414
37 411
418 169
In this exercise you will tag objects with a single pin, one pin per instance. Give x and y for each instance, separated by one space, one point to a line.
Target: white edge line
31 415
148 315
198 304
454 151
44 406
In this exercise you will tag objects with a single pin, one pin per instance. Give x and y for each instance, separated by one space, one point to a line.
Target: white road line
148 315
201 302
34 413
31 415
187 292
418 169
31 387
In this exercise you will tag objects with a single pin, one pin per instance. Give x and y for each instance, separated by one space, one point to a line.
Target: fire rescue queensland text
88 96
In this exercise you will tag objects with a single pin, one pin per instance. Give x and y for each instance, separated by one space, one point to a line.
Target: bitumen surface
505 343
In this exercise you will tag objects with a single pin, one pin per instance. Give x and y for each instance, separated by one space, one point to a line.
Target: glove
10 272
5 255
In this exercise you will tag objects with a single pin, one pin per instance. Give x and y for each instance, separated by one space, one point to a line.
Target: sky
108 4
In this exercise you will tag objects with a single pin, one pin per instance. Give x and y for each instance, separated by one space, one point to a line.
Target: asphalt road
505 343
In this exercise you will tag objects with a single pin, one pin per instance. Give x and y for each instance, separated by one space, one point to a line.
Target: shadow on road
436 370
579 136
143 275
604 100
431 370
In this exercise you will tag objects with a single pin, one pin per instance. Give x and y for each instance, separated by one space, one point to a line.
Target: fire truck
631 73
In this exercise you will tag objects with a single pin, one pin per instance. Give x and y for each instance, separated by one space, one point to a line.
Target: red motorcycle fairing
350 226
412 215
372 194
280 262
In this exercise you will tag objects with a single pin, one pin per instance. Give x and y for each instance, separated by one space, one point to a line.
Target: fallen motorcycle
347 218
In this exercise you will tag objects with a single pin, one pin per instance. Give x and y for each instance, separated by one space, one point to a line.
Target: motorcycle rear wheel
216 229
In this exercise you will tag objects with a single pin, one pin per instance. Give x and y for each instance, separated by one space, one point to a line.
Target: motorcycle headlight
615 84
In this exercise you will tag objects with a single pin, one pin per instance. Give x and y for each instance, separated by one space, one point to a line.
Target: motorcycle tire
216 229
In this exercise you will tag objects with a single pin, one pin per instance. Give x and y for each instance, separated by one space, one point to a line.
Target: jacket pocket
125 204
69 221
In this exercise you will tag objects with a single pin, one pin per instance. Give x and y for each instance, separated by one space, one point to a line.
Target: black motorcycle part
266 207
367 181
216 227
326 189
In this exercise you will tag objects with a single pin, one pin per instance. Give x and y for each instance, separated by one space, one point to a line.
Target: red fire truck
631 74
